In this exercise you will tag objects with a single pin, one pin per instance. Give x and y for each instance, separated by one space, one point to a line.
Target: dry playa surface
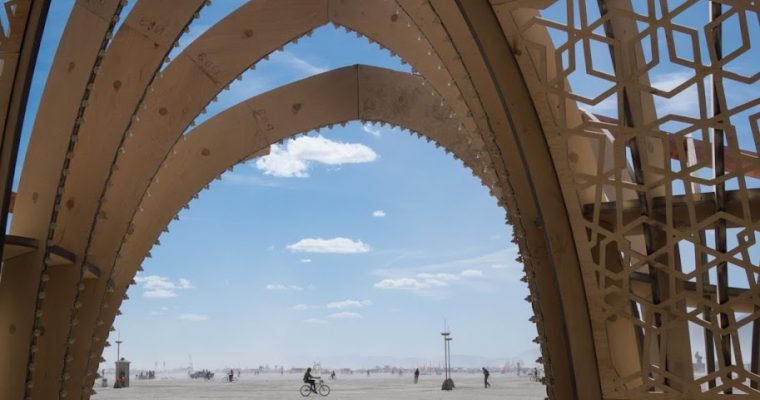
375 387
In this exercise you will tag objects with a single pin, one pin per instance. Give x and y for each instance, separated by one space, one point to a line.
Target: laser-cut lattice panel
666 95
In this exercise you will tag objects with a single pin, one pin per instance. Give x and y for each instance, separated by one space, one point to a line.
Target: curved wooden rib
201 64
133 58
175 102
346 94
197 75
20 286
18 55
535 202
494 64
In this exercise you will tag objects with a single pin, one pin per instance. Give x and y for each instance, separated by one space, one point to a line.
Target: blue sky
358 240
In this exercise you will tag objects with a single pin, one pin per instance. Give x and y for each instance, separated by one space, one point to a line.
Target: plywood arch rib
204 58
24 283
216 58
132 60
612 303
347 94
358 93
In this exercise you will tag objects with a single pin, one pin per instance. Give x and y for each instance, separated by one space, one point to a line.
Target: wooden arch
592 202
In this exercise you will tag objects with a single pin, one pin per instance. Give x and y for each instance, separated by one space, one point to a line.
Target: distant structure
448 381
619 136
699 366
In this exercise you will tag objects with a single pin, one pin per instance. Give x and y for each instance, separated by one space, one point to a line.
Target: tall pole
118 347
445 365
448 355
448 383
445 354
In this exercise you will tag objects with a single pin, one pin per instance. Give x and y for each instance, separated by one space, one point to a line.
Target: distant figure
238 371
332 376
232 375
308 378
121 381
367 372
699 366
416 375
486 374
535 374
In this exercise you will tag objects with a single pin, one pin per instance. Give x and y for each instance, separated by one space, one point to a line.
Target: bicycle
322 389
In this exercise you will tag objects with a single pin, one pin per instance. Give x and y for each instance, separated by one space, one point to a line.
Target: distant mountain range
527 359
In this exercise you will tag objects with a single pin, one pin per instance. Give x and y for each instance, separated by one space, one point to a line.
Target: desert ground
375 387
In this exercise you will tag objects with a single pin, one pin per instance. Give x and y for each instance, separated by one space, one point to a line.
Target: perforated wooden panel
651 112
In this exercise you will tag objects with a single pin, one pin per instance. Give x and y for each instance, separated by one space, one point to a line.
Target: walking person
416 375
486 374
231 375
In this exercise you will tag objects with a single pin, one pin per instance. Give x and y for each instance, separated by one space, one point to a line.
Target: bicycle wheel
324 390
305 390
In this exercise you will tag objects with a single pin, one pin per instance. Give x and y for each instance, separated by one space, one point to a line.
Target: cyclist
308 378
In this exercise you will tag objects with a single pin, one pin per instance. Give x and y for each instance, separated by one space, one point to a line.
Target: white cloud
336 245
315 321
472 273
403 284
607 106
291 60
378 214
248 180
293 159
372 131
685 102
349 304
160 287
433 279
302 307
441 276
159 294
306 260
345 315
279 286
193 317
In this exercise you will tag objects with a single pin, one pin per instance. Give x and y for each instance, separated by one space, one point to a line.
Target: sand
375 387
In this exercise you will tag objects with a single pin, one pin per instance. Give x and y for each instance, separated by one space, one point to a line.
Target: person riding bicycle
308 378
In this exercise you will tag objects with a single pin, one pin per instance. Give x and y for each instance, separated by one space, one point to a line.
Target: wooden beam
700 147
18 54
702 203
15 246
